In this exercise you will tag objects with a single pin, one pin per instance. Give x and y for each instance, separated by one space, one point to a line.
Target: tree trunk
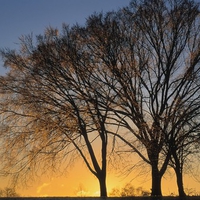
179 175
179 179
156 176
100 172
102 183
156 182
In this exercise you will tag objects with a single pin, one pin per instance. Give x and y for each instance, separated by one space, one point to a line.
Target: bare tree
185 150
171 65
51 107
131 74
150 52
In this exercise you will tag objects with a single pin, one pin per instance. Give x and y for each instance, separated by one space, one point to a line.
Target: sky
22 17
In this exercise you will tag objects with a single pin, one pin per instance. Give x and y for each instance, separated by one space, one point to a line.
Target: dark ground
98 198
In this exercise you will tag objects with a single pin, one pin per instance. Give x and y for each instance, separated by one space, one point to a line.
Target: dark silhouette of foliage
8 192
128 191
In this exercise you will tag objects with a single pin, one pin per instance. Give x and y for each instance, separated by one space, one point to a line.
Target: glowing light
42 186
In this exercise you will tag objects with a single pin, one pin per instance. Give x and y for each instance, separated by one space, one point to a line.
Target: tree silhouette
51 107
130 76
128 191
152 65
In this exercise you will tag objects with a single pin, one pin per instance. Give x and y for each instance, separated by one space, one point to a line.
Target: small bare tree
185 150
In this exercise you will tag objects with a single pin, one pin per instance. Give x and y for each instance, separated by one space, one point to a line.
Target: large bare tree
170 77
151 53
51 107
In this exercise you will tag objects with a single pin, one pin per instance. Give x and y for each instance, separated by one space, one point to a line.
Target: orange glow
80 182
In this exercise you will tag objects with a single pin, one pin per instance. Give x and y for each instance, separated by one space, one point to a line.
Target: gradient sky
22 17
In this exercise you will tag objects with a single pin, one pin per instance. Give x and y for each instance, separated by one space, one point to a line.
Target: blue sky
22 17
